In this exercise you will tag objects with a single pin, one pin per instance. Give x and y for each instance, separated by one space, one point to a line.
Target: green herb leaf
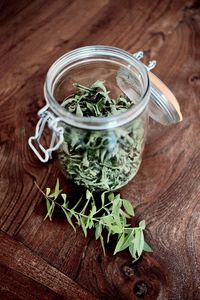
83 227
147 248
98 230
127 240
88 195
119 244
50 209
79 112
57 189
48 205
132 250
64 196
128 207
48 190
116 229
103 198
68 216
102 244
139 241
111 197
142 224
108 235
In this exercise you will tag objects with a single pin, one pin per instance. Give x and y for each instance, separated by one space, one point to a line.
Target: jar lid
163 105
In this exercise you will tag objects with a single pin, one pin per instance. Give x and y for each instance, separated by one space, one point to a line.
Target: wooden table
48 260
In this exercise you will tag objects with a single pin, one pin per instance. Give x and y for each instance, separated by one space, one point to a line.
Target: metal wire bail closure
46 117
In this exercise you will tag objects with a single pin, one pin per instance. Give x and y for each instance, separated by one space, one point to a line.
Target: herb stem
99 219
108 204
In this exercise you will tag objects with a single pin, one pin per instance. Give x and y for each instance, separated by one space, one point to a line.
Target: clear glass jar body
106 159
100 153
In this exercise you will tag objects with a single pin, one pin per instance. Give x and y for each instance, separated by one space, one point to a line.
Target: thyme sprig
110 217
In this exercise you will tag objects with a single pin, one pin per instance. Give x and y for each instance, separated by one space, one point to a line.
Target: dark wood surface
47 260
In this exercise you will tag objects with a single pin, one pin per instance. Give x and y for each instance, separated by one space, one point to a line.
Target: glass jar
102 153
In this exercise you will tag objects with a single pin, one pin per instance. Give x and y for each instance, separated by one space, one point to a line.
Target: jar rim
96 123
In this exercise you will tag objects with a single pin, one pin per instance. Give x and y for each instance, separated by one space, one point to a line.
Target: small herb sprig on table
111 216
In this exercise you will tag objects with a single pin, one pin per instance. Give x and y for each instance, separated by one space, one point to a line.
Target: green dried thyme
101 159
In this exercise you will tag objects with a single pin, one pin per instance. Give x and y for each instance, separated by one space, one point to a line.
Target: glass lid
163 105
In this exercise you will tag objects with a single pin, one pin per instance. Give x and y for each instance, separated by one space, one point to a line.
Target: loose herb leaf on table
100 159
107 219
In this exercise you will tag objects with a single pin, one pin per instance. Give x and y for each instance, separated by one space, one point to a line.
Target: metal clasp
152 63
46 117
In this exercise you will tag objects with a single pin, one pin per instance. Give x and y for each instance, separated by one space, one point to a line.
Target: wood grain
24 263
166 191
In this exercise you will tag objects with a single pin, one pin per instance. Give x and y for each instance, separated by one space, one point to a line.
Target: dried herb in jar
100 160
